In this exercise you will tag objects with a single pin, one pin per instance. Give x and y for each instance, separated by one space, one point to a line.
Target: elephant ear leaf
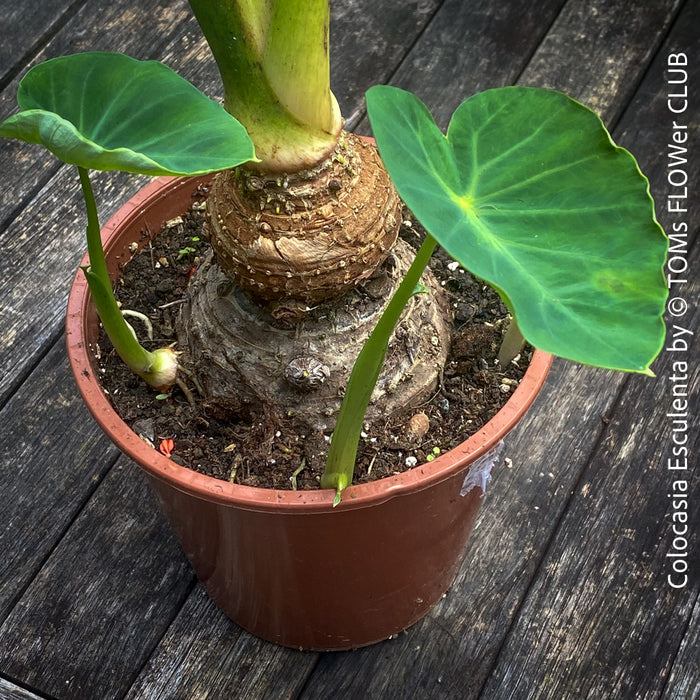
107 111
529 193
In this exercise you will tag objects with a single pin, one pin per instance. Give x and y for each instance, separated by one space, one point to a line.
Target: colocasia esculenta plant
526 190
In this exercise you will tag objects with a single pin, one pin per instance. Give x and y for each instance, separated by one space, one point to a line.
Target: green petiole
157 368
340 464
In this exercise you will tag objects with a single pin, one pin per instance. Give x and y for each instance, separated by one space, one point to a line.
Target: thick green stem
297 61
158 368
340 464
274 63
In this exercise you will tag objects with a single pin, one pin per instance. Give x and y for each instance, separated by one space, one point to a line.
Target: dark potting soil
269 454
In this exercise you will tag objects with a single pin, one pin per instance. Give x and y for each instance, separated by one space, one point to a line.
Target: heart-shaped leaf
529 193
107 111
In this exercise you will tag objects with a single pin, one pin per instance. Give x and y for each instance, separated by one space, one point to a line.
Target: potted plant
526 190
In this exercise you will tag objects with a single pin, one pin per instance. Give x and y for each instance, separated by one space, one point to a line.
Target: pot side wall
327 581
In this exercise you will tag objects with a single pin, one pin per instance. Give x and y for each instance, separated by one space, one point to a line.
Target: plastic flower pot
286 565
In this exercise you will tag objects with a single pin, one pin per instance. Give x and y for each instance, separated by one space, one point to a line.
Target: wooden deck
565 591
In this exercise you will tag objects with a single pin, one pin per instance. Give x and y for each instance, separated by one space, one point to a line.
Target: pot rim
249 497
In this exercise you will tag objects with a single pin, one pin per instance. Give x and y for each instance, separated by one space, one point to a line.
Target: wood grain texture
368 39
647 119
52 456
596 51
684 680
10 691
22 36
204 655
472 46
139 29
103 599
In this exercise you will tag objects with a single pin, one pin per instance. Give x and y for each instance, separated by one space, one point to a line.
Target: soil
257 451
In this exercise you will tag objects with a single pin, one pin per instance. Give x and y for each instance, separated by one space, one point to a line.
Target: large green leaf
529 192
107 111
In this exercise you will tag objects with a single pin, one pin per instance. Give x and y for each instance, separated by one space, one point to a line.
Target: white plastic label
479 473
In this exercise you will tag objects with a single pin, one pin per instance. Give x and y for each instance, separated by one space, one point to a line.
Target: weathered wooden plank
52 456
615 572
472 46
140 29
204 654
451 653
105 596
41 252
684 679
368 41
594 51
22 34
648 120
10 691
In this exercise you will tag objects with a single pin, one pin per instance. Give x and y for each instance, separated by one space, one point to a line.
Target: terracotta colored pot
285 565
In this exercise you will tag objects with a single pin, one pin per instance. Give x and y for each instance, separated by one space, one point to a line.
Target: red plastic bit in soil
166 447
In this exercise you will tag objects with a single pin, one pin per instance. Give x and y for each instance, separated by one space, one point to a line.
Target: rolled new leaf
528 191
108 111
